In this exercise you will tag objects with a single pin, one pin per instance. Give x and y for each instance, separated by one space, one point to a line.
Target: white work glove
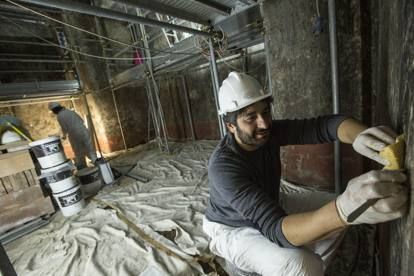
373 140
386 186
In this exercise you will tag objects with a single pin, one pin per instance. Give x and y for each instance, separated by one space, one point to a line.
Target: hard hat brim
258 99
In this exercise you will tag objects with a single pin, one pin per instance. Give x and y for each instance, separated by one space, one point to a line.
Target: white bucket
90 179
49 152
70 201
59 178
68 165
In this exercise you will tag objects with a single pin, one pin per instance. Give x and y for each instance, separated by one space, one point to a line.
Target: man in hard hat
72 126
244 219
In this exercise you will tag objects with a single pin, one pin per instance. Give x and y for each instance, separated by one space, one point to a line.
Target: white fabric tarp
169 208
97 242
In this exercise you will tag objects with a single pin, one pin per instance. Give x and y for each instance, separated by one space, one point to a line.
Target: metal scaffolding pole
187 103
158 123
164 9
216 86
335 89
106 13
158 114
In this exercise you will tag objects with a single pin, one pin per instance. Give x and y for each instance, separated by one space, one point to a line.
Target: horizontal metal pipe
100 12
33 71
229 58
213 6
164 9
23 17
36 60
28 55
27 42
20 102
14 8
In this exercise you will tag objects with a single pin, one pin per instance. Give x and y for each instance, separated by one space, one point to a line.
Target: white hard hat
239 90
53 105
10 136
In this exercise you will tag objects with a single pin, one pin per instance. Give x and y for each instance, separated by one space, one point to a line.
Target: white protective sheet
97 242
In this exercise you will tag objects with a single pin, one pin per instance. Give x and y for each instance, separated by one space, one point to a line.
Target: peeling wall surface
394 105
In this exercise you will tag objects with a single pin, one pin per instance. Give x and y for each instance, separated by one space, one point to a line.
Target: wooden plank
12 163
33 209
29 178
34 176
13 145
2 188
13 183
20 181
7 185
20 198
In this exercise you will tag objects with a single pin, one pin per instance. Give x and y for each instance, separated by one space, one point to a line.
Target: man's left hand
373 140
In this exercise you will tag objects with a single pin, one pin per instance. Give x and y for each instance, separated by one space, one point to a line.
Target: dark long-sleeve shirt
244 186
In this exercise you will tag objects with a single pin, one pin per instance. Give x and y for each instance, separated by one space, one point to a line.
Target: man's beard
250 140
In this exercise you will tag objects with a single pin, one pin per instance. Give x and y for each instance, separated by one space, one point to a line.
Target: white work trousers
250 251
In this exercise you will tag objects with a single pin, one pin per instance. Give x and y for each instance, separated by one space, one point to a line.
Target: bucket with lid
49 152
70 201
90 179
59 178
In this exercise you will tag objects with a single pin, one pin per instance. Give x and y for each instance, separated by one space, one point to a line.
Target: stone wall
393 41
301 78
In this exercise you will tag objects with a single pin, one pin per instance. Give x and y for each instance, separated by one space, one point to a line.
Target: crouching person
247 225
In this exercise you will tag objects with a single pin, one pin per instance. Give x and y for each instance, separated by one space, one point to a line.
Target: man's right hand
386 186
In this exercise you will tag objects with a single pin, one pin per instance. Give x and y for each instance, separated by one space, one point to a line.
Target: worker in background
245 220
72 125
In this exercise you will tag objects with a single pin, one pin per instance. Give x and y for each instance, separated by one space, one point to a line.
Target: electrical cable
76 51
97 35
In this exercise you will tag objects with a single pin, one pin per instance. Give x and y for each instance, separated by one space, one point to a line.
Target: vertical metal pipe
159 111
335 88
216 85
152 108
187 103
268 73
269 83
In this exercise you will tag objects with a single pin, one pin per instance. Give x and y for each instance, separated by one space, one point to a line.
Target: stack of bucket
57 173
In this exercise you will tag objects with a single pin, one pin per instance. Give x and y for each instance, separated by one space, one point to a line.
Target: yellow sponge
395 154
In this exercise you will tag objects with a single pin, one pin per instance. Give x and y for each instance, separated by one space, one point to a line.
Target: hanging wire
97 35
72 50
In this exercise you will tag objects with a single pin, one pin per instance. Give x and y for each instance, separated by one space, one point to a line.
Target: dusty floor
149 227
